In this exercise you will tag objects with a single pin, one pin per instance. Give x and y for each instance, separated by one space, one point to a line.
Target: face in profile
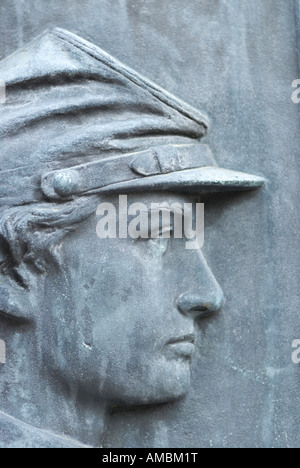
122 322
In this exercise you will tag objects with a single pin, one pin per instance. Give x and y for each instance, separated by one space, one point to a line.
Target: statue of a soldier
89 323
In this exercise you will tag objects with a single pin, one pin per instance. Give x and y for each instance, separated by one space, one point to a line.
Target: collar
17 434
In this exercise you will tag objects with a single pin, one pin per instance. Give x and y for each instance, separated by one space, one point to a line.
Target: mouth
190 338
182 347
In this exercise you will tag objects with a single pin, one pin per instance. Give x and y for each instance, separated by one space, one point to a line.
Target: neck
49 403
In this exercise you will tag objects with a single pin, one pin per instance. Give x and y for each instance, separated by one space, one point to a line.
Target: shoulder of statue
17 434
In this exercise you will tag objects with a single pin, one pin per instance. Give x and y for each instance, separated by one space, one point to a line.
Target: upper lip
189 338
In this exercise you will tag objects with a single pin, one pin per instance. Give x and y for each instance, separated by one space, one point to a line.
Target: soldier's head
112 318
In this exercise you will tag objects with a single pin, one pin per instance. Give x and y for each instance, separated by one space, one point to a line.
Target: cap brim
204 179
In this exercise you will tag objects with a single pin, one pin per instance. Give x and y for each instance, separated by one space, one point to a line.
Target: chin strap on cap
92 177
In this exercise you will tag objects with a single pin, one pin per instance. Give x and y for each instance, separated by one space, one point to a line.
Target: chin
175 386
165 386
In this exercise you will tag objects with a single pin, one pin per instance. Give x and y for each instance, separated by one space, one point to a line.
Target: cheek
125 339
122 333
126 305
124 285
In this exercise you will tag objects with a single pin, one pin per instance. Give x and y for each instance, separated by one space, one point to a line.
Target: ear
15 293
14 304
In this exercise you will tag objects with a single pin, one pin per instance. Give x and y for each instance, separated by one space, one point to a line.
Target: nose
205 299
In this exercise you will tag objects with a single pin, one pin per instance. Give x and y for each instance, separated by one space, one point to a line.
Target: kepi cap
76 121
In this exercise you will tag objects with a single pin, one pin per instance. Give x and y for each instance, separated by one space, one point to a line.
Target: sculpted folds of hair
31 232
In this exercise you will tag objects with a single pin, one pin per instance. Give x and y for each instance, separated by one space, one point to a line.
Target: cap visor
204 179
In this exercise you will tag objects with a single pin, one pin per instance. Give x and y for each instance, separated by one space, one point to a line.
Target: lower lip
183 349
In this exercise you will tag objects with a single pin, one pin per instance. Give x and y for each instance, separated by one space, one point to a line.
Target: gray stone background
235 60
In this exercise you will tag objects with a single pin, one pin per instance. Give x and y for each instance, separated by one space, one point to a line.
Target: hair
31 232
